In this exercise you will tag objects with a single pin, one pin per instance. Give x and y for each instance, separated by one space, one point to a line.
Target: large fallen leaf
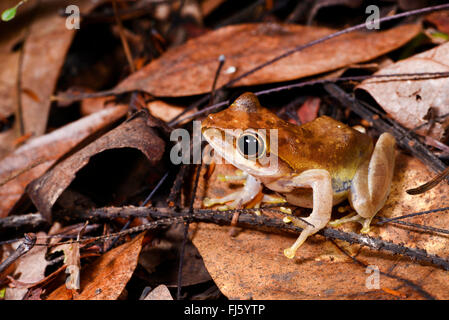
105 278
43 56
31 160
135 133
407 101
190 68
252 265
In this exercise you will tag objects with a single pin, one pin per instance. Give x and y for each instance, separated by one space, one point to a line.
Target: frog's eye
251 145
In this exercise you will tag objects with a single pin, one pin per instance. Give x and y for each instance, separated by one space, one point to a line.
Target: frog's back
325 143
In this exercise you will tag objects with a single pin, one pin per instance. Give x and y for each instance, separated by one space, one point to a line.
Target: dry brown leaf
158 108
106 278
72 261
164 110
31 160
12 33
30 269
190 68
135 133
252 265
43 56
408 101
440 19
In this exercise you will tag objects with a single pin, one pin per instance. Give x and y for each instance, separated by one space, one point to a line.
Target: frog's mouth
225 146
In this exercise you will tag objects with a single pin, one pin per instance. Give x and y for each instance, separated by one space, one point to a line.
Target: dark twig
27 221
159 184
422 227
175 191
24 247
123 38
167 216
186 230
387 77
385 220
221 61
430 184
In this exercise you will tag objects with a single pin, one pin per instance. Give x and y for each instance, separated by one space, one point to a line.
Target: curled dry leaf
30 269
407 101
135 133
72 261
190 68
105 278
42 62
31 160
252 265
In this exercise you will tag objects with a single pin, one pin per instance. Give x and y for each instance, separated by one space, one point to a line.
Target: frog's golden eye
251 145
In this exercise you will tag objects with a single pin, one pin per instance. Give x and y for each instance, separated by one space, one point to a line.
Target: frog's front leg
320 182
250 190
239 198
371 184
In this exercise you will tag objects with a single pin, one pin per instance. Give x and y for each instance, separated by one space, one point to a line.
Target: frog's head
241 135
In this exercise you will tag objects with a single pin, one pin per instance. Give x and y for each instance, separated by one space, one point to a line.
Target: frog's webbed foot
371 184
320 182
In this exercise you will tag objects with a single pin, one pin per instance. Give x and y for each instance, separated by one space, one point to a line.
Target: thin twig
404 76
24 247
221 61
186 230
167 216
123 38
385 220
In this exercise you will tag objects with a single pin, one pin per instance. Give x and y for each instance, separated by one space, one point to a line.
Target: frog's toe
273 199
289 253
353 217
366 225
349 218
209 202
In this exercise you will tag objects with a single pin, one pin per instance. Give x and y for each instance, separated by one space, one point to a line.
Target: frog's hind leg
320 182
371 184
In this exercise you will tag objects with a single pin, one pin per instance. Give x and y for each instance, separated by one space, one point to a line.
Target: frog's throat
228 152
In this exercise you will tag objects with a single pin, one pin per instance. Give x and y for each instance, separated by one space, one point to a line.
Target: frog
319 164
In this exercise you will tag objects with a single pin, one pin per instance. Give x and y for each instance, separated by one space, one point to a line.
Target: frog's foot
238 176
353 217
235 196
273 199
